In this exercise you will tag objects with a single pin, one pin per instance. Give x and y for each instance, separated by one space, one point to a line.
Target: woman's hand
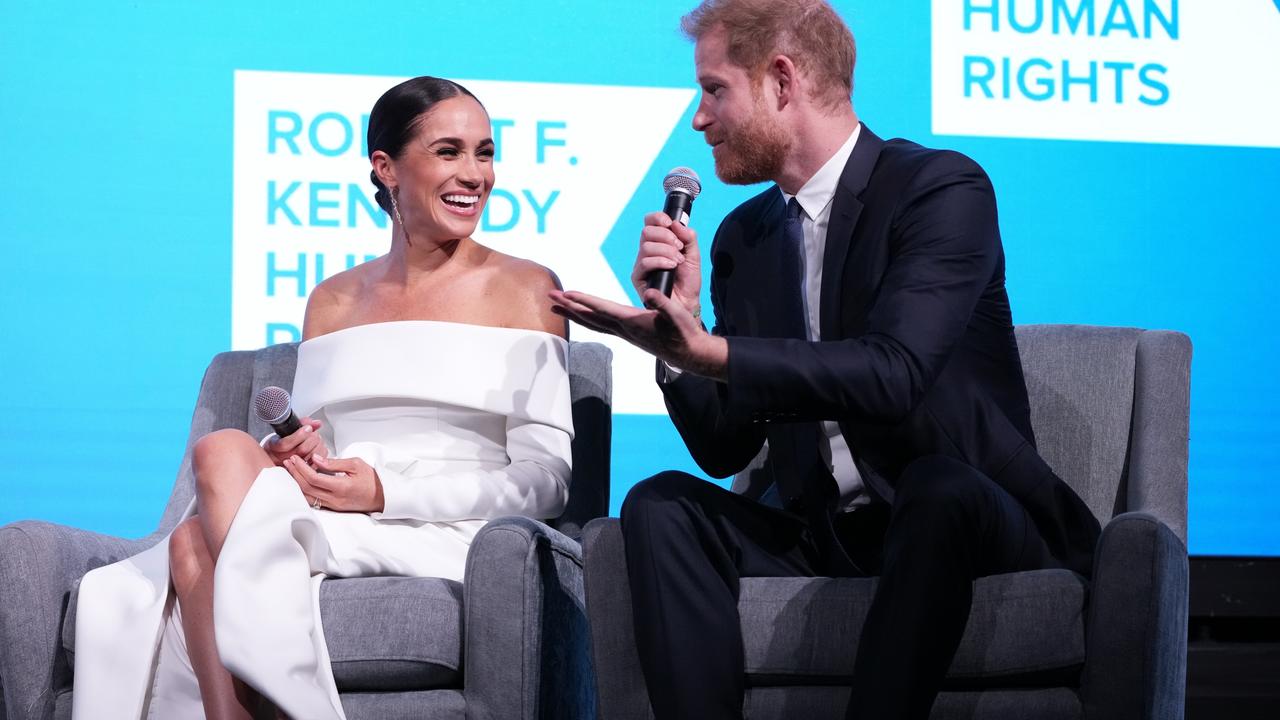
343 484
304 443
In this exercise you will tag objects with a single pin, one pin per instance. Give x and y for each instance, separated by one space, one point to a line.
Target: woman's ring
315 503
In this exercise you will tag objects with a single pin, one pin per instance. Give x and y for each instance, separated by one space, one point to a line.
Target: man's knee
659 495
937 483
660 489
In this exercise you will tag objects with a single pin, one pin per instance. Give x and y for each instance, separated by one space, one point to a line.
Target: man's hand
667 245
304 443
664 328
346 484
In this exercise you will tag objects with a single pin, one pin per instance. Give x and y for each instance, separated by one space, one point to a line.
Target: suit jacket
917 353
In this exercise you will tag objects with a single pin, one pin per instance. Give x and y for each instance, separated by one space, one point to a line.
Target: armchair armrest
1136 627
525 626
39 564
621 686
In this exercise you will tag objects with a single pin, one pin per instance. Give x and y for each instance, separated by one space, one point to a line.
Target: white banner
1161 71
569 158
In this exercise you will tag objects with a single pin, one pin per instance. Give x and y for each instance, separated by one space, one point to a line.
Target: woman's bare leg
191 566
225 464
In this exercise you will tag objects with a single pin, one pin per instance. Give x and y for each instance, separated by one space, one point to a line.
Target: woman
435 381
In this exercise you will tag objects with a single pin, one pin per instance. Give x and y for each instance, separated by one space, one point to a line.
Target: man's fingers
655 300
584 319
584 304
649 249
601 306
560 300
657 218
674 311
633 324
685 234
596 313
661 236
644 266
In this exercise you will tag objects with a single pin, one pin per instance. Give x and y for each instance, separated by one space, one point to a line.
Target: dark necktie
806 477
791 270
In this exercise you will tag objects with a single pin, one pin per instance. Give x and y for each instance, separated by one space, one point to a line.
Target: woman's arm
535 482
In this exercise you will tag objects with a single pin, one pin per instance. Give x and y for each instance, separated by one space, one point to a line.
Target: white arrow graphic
570 157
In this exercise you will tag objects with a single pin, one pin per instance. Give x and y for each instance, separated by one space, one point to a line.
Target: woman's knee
219 449
189 557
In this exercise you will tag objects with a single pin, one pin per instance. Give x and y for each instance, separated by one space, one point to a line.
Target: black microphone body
274 408
682 186
288 426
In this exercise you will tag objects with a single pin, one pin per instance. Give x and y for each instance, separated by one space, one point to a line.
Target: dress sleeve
535 483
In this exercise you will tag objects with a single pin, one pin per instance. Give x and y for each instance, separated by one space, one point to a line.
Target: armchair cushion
804 631
371 646
800 631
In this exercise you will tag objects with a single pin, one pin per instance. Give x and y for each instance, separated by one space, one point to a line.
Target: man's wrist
711 359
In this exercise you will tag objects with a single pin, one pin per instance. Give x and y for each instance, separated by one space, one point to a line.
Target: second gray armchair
1110 412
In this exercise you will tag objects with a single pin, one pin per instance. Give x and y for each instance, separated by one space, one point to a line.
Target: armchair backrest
233 378
1110 410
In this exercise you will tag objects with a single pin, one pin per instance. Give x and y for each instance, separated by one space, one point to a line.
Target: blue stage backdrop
176 177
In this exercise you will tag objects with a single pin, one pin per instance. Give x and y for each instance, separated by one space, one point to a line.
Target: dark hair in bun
397 114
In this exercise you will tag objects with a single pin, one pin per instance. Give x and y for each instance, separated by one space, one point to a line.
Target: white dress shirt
816 198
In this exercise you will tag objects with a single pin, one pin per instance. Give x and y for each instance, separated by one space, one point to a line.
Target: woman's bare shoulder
520 290
331 301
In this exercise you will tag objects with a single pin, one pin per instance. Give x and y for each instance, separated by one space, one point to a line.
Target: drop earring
395 209
395 212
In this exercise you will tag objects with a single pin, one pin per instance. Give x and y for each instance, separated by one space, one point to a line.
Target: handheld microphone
682 186
274 408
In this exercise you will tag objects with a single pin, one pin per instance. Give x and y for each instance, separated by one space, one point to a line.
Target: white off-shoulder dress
462 423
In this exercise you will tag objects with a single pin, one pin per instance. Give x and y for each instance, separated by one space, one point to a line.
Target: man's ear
783 79
384 167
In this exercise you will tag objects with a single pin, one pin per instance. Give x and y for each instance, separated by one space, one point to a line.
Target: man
863 335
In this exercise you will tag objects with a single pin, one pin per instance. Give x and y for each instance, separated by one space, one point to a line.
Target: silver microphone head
683 179
271 404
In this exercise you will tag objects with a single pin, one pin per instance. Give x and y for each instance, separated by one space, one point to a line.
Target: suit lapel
845 210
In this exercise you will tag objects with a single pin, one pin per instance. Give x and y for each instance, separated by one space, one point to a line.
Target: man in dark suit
864 340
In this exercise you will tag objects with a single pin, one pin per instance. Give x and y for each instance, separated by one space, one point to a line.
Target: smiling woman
432 150
412 441
442 159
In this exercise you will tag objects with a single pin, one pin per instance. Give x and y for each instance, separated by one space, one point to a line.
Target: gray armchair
509 643
1110 411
